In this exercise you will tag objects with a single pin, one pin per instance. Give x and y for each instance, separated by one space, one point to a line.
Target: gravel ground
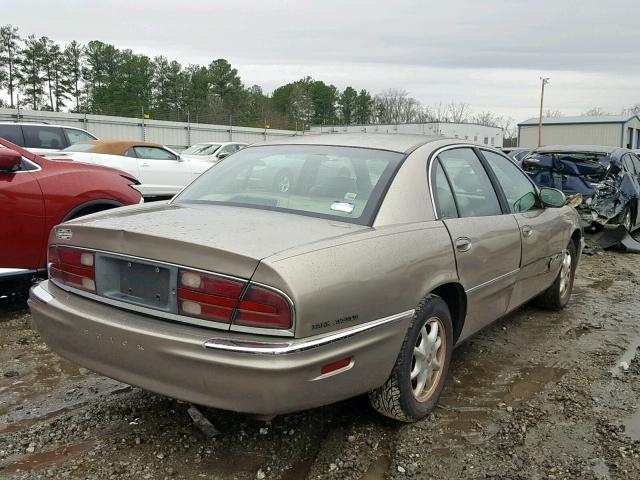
537 395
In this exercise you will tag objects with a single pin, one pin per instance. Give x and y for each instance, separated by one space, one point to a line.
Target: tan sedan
382 254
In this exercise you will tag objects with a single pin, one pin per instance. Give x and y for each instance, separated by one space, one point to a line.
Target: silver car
361 277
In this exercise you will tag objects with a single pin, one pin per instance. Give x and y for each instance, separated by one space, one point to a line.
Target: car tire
411 392
557 295
625 218
283 181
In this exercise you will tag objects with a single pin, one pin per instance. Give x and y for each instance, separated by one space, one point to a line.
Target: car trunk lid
223 239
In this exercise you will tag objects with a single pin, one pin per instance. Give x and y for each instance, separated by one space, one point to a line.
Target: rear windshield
329 182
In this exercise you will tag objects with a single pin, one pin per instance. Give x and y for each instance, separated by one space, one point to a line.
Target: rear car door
22 219
44 139
158 166
543 230
486 242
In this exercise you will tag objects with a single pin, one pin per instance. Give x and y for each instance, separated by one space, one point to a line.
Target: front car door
542 231
162 170
21 220
486 241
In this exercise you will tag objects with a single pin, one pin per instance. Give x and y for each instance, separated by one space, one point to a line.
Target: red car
38 193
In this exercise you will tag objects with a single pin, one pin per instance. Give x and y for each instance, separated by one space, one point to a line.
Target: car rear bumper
225 370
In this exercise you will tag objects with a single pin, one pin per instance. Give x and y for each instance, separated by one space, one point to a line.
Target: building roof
397 142
577 149
579 120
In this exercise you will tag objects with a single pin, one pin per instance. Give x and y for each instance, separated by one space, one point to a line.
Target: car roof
577 149
40 124
116 147
396 142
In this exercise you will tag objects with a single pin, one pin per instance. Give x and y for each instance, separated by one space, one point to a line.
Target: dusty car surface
385 252
606 177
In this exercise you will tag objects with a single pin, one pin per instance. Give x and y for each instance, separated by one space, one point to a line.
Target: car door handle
145 165
463 244
527 231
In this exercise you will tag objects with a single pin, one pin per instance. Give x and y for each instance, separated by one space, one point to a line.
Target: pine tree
32 71
10 60
73 58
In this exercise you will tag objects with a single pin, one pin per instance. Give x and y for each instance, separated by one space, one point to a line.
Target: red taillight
206 296
263 308
72 267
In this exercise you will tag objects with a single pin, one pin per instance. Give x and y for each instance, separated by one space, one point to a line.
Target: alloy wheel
565 273
428 359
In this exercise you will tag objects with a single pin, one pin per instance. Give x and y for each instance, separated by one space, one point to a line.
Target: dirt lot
537 395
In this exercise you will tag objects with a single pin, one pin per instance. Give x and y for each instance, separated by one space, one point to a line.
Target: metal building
610 130
467 131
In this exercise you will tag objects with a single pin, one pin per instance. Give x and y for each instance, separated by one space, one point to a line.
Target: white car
212 152
161 171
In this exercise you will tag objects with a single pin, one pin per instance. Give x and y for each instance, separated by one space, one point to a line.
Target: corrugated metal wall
467 131
178 135
578 134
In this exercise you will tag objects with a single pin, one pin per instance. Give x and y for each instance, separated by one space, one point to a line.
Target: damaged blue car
607 178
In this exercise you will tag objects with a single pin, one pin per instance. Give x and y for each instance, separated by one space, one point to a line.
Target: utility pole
544 82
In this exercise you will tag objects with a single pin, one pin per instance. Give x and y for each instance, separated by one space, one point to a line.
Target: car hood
201 158
224 239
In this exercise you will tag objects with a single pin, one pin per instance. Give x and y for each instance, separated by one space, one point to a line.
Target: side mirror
552 197
180 159
9 160
222 155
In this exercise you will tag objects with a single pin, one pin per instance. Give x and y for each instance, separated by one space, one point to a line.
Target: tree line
98 78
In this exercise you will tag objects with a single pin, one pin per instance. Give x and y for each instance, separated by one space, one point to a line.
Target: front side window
36 136
520 192
472 188
328 182
76 136
154 153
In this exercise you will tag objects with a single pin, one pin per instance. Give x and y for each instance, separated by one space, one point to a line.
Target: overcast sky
489 54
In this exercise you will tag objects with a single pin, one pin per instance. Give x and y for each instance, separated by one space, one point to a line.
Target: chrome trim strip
5 272
182 318
492 281
282 348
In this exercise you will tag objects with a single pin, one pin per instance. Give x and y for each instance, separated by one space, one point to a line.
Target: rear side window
36 136
520 192
13 133
636 163
472 188
74 135
445 203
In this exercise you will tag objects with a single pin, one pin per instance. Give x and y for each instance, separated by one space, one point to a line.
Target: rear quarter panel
369 276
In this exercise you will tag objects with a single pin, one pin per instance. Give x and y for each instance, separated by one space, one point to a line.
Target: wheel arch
455 297
92 206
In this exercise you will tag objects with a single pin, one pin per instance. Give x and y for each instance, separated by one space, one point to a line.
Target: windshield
328 182
79 147
202 149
